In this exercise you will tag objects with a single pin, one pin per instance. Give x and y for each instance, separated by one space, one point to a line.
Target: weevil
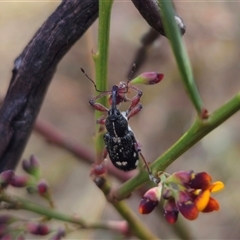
120 142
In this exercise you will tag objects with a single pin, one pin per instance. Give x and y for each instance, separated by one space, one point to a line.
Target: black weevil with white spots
120 142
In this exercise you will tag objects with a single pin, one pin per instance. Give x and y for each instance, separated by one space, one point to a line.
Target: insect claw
154 179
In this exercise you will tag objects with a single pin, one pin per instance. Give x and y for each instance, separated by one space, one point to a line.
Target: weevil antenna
131 73
94 84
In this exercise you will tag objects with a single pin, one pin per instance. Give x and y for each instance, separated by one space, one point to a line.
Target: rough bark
151 12
33 71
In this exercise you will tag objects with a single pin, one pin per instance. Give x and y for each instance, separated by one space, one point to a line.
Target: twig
33 71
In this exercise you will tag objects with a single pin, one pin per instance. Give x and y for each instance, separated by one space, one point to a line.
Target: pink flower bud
6 177
19 181
32 166
148 78
180 177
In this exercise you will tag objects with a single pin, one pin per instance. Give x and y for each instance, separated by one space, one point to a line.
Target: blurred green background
212 40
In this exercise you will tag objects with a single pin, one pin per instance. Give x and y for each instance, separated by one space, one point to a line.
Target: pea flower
183 192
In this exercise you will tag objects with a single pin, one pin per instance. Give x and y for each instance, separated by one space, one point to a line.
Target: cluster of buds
32 181
8 232
185 192
8 177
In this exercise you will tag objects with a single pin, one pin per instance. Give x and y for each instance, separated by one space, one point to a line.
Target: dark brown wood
33 71
150 11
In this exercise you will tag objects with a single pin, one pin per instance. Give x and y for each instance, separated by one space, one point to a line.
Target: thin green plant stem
136 226
101 65
24 204
196 132
181 56
140 230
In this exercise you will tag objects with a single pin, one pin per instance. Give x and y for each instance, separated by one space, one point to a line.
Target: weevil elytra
120 142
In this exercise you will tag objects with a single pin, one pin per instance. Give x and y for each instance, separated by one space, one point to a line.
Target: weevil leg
136 99
134 111
101 120
151 176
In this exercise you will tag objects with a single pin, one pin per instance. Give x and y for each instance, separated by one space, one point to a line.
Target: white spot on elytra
124 163
136 163
119 163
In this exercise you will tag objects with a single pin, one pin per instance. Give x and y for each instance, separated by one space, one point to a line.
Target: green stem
181 56
135 225
139 229
197 131
101 65
20 203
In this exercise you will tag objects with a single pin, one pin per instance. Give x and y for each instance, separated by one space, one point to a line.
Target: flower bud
148 78
150 200
170 211
200 180
37 229
147 205
180 177
42 187
186 206
6 177
32 166
20 181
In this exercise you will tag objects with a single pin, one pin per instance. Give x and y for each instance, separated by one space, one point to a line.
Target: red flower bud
186 206
200 180
212 205
37 229
147 205
42 187
170 211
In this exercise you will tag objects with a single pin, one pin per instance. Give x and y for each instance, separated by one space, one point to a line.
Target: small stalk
181 56
101 65
196 132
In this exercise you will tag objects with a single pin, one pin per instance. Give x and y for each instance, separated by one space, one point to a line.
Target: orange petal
202 200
